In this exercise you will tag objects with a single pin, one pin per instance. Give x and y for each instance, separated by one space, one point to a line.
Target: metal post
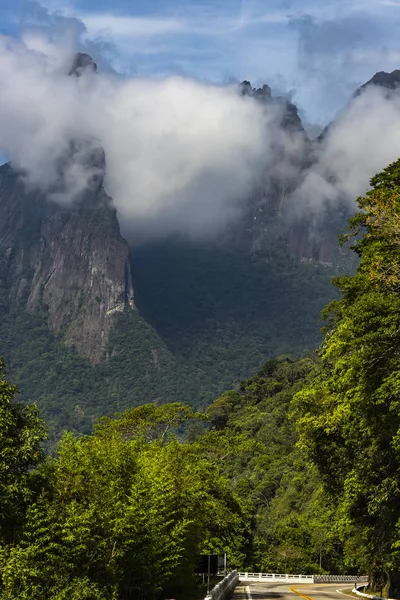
208 575
225 564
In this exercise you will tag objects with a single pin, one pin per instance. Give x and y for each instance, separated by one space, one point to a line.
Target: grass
349 592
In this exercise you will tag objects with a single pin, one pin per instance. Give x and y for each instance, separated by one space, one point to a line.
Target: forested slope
207 317
296 470
222 312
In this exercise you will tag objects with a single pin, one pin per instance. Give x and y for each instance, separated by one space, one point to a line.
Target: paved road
279 591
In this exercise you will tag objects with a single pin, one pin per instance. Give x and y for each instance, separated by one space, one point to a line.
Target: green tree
124 514
348 417
290 523
21 436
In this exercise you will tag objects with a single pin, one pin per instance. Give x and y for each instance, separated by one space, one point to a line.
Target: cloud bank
363 140
183 157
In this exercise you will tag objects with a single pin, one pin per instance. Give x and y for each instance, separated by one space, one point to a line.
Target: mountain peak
390 81
263 93
82 62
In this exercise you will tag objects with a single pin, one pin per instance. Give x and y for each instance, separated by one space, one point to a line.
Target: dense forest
208 317
296 470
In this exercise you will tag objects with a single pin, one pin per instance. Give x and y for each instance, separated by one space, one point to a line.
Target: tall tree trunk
377 581
394 585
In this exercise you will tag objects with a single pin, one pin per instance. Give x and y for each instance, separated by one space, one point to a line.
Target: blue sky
318 51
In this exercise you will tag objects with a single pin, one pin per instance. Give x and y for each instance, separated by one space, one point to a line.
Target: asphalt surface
279 591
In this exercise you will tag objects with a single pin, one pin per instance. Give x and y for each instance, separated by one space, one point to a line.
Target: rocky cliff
64 252
271 221
70 262
271 224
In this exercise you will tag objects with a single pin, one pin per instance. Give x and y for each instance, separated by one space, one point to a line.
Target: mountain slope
72 262
66 298
90 326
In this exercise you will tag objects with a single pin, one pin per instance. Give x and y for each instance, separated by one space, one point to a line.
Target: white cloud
182 156
363 140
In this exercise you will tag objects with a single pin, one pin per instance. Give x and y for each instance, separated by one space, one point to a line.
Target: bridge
280 586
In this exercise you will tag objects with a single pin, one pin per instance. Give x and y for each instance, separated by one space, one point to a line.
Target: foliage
291 527
208 317
21 436
124 513
223 312
348 417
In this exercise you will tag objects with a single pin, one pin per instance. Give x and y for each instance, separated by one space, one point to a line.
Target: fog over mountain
364 138
182 156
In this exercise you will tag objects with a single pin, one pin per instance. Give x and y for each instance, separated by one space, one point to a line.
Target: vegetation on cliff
207 318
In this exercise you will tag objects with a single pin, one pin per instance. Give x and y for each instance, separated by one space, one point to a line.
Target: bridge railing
340 578
223 589
276 577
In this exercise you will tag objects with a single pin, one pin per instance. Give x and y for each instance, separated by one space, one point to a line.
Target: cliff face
269 223
70 262
67 258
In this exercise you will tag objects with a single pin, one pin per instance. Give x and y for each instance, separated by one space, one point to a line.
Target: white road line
248 594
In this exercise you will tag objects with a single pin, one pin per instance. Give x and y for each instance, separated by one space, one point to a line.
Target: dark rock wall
71 262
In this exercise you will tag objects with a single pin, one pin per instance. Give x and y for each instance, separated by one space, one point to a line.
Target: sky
316 51
184 150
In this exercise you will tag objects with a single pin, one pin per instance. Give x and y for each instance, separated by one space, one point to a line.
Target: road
279 591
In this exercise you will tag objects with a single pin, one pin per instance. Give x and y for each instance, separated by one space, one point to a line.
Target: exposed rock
290 116
82 63
71 262
262 94
389 81
269 223
88 157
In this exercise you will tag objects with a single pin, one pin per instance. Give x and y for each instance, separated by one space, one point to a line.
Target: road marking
248 594
292 589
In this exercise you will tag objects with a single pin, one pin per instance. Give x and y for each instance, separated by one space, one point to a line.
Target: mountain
383 80
69 328
90 325
71 262
273 222
66 294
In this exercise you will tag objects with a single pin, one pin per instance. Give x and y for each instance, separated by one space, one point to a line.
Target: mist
182 157
361 142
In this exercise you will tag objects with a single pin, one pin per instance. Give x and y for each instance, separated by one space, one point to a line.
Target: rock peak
82 62
389 81
263 93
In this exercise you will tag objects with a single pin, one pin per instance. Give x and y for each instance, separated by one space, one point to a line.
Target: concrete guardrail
276 577
362 595
222 590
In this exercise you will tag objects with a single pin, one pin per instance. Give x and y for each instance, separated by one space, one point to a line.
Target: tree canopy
348 417
21 435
